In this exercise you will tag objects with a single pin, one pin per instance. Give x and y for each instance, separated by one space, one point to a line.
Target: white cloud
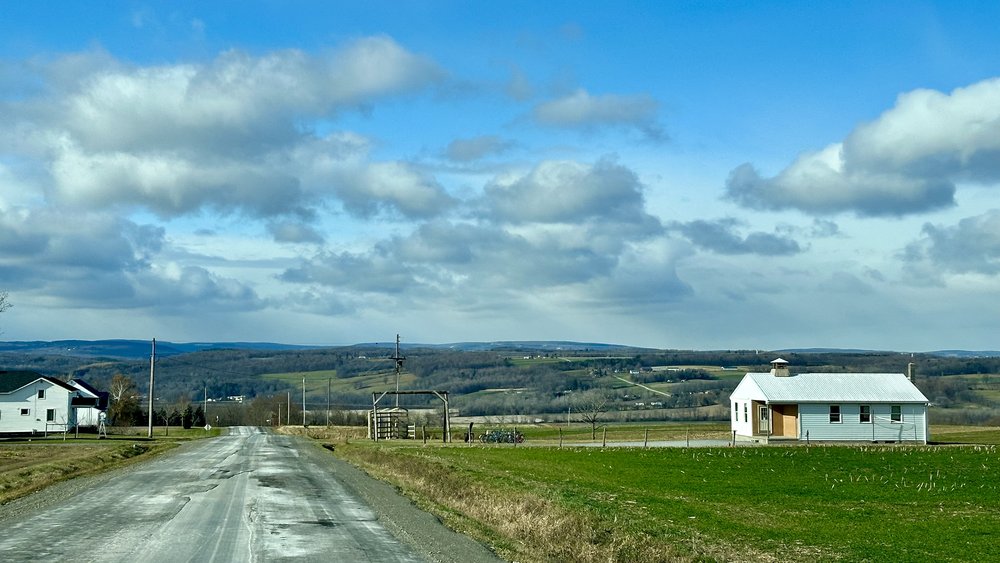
223 136
392 186
583 110
569 192
970 246
906 161
475 148
720 236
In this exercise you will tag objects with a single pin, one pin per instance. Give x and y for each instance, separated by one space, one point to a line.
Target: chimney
909 371
779 368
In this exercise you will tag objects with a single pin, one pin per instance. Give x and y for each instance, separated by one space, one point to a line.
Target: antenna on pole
399 365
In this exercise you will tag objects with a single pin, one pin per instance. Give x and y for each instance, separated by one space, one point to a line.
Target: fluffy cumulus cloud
222 135
970 246
391 187
720 236
569 192
909 160
583 110
562 224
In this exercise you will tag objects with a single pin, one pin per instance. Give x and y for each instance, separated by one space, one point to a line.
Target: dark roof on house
102 396
14 380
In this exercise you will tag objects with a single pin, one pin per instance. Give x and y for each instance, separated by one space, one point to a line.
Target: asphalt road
248 496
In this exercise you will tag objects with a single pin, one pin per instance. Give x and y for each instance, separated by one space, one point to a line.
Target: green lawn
869 503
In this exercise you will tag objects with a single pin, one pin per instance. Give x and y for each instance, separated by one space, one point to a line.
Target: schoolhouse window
745 417
50 415
866 414
41 393
896 415
736 412
25 412
834 413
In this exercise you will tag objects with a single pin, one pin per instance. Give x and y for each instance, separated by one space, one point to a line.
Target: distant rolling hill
132 348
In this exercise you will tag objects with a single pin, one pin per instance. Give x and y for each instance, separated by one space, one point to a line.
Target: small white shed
855 407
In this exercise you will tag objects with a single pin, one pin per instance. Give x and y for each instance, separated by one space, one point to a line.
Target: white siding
56 398
815 418
736 417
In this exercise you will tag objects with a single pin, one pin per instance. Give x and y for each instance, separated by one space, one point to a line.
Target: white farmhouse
33 403
856 407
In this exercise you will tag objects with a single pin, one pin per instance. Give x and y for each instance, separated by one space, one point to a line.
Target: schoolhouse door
762 420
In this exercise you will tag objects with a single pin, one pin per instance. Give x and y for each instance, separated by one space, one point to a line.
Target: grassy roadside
27 466
887 503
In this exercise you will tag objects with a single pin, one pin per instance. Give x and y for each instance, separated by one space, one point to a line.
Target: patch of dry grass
29 467
521 520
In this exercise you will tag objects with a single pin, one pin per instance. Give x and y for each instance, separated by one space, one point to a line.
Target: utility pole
152 362
399 365
288 412
205 409
303 402
329 382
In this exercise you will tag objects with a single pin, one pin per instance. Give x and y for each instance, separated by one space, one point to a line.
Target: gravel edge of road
40 500
403 519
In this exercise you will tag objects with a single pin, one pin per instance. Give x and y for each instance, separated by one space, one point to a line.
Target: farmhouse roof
831 388
14 380
88 389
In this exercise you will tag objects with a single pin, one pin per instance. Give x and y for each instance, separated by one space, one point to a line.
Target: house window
896 414
834 414
745 417
50 415
41 393
25 412
866 414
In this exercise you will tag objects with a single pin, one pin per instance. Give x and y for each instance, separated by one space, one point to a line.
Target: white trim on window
896 414
865 414
835 416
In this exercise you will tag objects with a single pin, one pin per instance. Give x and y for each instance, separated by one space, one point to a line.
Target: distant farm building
856 407
32 403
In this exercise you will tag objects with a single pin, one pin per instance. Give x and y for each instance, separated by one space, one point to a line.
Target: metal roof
836 388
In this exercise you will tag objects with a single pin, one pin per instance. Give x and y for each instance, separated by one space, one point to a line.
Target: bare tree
591 407
124 401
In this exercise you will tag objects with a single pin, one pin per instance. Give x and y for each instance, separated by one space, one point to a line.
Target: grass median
29 465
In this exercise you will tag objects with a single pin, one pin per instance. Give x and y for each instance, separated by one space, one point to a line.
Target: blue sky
674 175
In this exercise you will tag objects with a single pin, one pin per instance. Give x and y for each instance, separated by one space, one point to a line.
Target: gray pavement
249 496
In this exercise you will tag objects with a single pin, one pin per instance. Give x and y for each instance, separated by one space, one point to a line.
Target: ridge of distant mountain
123 348
120 348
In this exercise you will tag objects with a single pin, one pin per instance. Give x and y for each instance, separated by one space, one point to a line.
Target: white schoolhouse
855 407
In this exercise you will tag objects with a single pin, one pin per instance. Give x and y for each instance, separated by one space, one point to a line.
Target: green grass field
860 503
